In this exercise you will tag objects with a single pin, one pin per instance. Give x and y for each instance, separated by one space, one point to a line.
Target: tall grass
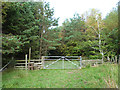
104 76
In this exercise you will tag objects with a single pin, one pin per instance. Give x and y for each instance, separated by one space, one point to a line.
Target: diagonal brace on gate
53 62
71 62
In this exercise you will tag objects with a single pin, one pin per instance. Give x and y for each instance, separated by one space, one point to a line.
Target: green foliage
11 44
88 66
26 20
110 33
72 33
28 24
111 20
80 36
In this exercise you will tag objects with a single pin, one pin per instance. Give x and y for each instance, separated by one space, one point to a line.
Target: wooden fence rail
23 64
113 59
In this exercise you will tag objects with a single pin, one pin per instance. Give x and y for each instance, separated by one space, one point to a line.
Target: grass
103 76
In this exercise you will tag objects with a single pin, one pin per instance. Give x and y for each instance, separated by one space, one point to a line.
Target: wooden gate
62 62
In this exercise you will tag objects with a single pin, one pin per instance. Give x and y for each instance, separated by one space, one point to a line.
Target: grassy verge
104 76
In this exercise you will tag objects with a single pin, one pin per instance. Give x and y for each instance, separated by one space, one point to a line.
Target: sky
65 9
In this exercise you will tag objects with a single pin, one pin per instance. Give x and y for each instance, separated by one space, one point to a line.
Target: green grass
103 76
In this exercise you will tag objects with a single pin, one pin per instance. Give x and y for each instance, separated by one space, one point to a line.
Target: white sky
67 8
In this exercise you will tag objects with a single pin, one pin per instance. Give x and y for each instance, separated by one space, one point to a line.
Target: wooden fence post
119 60
63 62
42 62
29 53
26 61
115 59
111 59
102 59
108 58
80 62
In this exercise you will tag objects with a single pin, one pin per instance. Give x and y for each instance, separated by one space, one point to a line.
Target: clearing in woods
103 76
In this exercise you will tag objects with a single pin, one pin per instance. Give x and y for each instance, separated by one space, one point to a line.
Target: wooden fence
113 59
23 64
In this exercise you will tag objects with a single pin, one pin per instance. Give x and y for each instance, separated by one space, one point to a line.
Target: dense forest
28 24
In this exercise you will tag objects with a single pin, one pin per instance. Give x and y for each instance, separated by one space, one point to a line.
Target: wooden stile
30 65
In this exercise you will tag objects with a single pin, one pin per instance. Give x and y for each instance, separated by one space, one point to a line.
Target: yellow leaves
94 22
61 34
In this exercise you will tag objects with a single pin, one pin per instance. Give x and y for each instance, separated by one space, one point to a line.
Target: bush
88 66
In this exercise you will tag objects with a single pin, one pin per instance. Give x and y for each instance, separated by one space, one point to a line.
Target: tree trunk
100 50
40 47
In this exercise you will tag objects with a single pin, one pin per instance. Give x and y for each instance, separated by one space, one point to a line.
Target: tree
104 32
48 21
25 22
72 33
95 26
110 33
